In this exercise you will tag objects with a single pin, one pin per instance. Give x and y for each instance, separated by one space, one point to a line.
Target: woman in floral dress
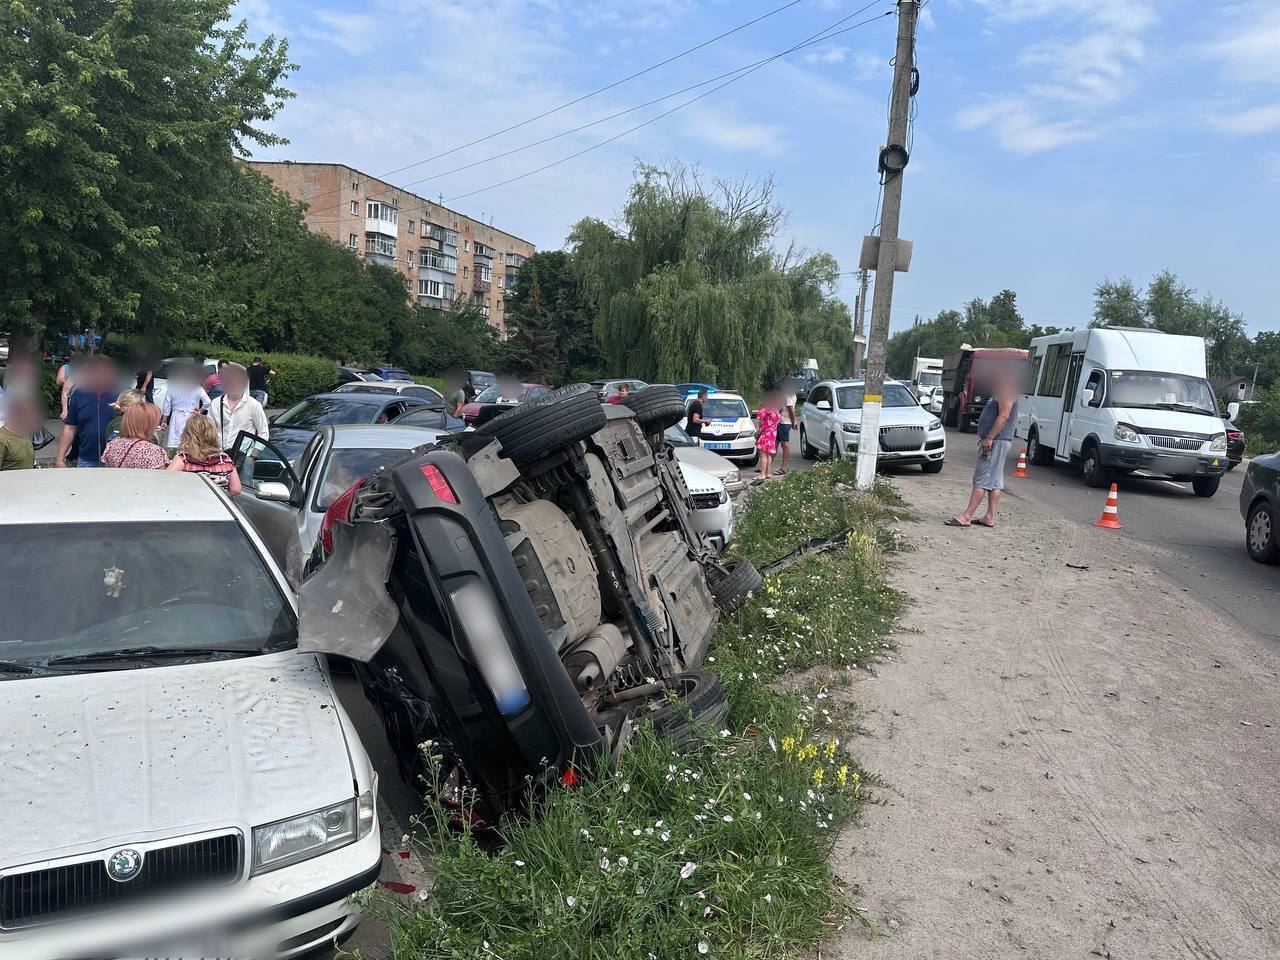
767 419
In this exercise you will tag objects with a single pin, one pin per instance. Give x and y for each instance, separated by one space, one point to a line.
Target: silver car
285 501
688 452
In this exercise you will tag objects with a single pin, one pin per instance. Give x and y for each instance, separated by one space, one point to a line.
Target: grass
721 850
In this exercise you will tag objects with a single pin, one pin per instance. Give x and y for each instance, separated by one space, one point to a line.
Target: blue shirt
90 414
991 413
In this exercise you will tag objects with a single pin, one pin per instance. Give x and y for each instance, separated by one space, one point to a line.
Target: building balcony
380 249
480 286
387 228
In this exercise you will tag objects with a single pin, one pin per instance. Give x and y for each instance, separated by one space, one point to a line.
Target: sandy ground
1082 762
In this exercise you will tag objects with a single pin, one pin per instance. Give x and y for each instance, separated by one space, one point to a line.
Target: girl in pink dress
767 419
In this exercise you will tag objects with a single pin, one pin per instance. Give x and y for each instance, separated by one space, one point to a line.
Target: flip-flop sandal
984 523
953 522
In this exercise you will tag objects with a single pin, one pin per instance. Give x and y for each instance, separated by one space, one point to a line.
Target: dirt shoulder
1083 762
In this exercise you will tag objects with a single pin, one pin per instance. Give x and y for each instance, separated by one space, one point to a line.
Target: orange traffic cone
1111 512
1021 471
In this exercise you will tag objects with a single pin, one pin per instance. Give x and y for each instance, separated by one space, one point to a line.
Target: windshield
724 408
1173 391
77 588
316 412
345 467
895 395
364 388
481 380
432 417
501 393
677 437
930 379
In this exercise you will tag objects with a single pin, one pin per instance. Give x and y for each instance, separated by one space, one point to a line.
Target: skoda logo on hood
124 865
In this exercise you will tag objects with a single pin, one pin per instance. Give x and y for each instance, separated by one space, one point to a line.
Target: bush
1261 423
297 375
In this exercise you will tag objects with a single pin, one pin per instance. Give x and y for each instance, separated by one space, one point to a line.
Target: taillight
1234 435
339 510
439 485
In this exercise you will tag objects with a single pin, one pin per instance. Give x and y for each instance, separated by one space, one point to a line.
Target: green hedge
297 375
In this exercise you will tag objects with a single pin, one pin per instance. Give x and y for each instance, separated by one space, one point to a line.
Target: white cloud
1253 120
830 55
719 129
1249 51
1019 127
354 33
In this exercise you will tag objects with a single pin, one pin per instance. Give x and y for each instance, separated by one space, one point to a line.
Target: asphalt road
1202 539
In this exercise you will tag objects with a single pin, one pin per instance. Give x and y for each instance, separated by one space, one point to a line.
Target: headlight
1219 444
1126 433
732 476
291 841
749 432
935 424
724 496
851 427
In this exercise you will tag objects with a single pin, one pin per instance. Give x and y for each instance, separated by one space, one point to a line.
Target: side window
1096 383
819 394
1033 374
1054 376
537 392
308 458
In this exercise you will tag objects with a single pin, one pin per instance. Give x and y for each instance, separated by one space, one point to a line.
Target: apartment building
442 254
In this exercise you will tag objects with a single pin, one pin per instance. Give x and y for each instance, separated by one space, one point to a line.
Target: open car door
272 495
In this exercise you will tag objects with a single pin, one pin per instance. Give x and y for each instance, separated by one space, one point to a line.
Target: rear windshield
895 395
345 467
315 412
724 408
75 588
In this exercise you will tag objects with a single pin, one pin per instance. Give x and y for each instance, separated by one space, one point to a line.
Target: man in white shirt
235 410
787 422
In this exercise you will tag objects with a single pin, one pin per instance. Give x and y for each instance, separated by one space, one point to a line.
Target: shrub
1261 423
297 375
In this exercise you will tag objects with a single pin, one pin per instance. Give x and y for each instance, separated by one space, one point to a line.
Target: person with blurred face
135 448
16 450
235 410
90 411
995 434
184 397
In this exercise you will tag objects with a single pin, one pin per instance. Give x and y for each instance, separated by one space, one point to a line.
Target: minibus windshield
1149 390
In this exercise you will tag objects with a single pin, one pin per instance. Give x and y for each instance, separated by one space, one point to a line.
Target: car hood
128 756
704 460
1169 421
912 416
699 481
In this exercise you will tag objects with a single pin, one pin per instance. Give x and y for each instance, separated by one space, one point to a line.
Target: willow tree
688 285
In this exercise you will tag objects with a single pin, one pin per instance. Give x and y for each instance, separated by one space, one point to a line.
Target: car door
1070 403
272 494
820 432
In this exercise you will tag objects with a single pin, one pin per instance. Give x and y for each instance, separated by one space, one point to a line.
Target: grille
40 896
1170 442
705 501
900 439
731 435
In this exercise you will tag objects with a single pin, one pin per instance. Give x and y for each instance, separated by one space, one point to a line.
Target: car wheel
807 450
548 423
1037 453
932 466
1095 475
700 703
656 407
833 448
731 589
1205 486
1260 531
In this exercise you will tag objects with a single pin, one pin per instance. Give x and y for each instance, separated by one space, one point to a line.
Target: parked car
831 425
1260 508
710 509
688 452
606 390
407 388
727 427
803 380
180 769
521 595
354 375
690 388
493 400
481 379
1235 443
432 416
391 373
286 503
291 430
160 381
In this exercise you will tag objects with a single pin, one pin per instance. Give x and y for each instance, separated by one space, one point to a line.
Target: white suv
831 425
179 780
727 427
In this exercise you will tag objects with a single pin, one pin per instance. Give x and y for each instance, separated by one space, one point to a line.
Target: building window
425 228
382 211
448 291
352 240
381 246
484 272
430 288
451 237
466 246
408 286
408 255
464 273
411 226
484 310
355 208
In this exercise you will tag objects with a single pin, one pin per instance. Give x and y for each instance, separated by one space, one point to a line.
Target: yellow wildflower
788 744
842 775
817 775
831 749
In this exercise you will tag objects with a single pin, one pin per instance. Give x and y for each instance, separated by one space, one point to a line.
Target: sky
1055 142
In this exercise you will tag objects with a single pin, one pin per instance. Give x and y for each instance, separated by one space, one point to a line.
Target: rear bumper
1169 464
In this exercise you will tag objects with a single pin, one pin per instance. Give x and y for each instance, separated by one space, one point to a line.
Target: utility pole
893 161
859 323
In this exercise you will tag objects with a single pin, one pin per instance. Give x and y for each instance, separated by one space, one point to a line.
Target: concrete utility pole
859 323
893 160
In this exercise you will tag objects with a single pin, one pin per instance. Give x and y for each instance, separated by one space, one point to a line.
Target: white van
1122 399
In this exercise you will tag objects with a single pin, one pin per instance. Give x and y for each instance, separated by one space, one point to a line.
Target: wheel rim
1090 465
1259 531
1033 446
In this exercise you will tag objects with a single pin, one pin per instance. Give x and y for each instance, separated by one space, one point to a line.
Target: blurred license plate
716 446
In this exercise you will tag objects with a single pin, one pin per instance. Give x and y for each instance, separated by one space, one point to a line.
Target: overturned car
523 595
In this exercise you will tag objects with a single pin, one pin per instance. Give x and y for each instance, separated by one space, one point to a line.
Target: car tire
807 450
1038 455
932 466
833 448
1261 542
734 587
656 407
1205 486
701 704
1091 468
548 423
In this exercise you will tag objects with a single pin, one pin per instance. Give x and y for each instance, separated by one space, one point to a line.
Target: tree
1118 304
552 337
119 123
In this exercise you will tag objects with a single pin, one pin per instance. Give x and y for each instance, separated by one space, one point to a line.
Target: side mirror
1233 410
274 490
823 405
1088 396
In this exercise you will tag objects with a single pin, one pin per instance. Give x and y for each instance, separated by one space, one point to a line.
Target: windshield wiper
16 666
144 653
